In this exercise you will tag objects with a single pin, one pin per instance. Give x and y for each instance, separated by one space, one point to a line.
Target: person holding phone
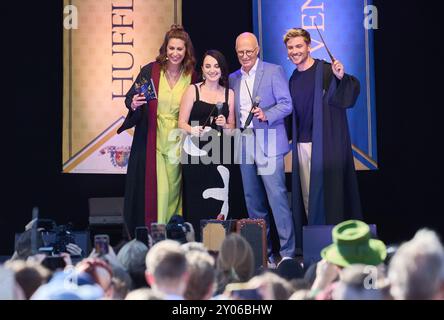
153 182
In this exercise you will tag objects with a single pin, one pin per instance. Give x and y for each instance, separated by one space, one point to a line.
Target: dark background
401 197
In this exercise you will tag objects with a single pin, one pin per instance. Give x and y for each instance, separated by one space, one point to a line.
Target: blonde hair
235 261
166 261
297 32
202 275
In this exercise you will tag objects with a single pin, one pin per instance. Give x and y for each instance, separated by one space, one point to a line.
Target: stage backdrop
102 57
341 23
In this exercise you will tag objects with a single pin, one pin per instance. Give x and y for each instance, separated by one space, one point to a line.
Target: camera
55 238
177 229
63 237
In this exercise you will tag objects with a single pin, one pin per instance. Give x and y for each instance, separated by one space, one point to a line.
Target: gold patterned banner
105 43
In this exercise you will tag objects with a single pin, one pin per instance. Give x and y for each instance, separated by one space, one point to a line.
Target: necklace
173 78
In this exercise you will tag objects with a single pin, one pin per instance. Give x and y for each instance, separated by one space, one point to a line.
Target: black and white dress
212 185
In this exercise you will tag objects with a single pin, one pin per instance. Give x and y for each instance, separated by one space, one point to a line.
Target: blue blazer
271 86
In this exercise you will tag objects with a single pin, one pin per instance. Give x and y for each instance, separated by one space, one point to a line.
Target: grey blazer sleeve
281 93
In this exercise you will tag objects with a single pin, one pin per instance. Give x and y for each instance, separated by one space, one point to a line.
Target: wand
328 51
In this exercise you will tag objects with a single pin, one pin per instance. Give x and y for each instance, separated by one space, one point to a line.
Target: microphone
219 106
256 102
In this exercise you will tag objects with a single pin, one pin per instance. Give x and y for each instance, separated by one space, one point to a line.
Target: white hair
193 246
132 255
417 269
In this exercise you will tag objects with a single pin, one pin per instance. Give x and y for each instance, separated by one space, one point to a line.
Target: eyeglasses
249 53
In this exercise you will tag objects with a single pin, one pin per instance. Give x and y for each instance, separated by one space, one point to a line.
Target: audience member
235 261
167 269
416 271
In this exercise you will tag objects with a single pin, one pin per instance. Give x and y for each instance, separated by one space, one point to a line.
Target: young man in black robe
324 185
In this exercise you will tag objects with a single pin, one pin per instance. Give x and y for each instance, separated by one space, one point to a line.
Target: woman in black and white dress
207 116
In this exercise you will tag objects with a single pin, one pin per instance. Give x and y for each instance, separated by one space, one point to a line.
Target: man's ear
149 278
186 277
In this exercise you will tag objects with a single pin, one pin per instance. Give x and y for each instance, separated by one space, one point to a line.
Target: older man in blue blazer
262 163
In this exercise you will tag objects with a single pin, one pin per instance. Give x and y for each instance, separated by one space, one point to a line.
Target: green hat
352 244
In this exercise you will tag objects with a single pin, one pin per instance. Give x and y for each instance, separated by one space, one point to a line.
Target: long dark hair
177 32
223 65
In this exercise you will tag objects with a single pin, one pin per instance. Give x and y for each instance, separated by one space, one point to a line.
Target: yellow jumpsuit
169 175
